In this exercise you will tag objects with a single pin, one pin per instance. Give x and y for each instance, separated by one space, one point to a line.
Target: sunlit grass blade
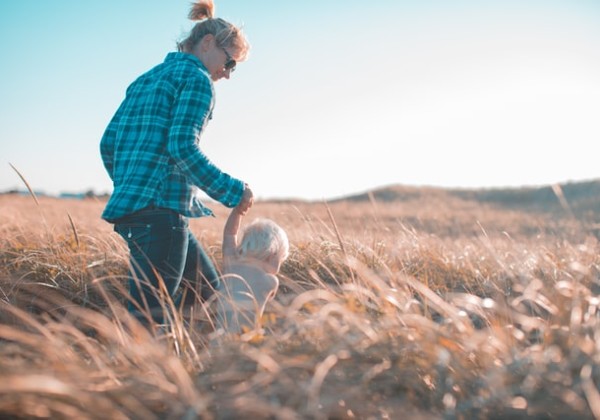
26 184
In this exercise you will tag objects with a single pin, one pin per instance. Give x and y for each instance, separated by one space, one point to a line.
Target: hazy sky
338 96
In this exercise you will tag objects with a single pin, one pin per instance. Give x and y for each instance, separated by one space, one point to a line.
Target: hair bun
202 9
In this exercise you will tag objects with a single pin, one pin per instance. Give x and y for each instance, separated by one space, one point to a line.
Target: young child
250 266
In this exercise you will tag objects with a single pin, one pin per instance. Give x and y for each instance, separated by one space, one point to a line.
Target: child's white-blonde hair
263 239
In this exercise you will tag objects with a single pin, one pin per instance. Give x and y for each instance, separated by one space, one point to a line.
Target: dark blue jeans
163 250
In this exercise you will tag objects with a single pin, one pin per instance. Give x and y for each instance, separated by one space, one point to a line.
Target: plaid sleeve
190 111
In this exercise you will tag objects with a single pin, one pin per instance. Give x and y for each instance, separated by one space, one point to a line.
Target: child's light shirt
244 290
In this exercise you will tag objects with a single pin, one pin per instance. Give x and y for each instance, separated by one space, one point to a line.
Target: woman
151 152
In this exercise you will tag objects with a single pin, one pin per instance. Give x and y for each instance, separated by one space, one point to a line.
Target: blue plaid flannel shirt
150 148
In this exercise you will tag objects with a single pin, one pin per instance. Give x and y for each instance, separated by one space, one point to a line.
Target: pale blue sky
337 97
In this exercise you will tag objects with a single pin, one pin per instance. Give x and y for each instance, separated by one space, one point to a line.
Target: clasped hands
247 200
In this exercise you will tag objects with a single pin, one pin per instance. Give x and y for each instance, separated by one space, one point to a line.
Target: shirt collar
185 56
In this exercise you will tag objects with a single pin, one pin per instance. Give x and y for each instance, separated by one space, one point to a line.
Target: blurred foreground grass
438 308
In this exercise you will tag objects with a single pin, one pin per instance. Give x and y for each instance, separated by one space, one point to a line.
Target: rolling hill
581 199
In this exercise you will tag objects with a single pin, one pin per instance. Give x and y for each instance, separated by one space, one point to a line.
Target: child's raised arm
232 226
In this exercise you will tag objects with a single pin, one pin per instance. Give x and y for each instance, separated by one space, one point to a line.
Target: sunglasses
230 63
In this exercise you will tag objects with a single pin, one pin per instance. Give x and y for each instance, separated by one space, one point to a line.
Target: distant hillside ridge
582 197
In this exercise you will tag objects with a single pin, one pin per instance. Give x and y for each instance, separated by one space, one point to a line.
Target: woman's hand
247 200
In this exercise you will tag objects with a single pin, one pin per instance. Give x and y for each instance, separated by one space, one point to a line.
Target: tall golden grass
430 308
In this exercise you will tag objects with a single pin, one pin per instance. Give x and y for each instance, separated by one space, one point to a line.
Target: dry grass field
431 306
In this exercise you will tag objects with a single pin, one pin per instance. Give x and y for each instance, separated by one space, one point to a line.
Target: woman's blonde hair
263 239
225 33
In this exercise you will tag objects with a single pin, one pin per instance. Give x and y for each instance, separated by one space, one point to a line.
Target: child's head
264 240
